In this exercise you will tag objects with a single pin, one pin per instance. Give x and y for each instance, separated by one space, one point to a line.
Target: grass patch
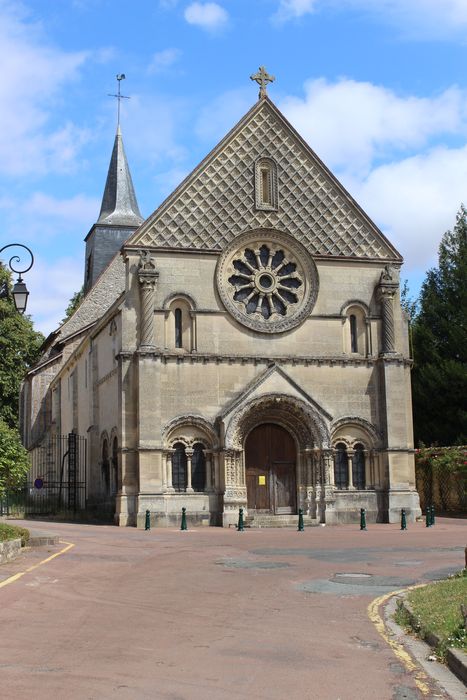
13 532
437 610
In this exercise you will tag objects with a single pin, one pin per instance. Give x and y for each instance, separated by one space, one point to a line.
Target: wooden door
270 469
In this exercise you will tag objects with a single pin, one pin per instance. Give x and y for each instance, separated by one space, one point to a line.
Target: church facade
243 347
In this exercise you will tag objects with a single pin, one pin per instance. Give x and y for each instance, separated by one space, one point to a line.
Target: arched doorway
270 470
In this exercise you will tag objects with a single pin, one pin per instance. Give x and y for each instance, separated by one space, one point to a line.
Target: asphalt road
214 614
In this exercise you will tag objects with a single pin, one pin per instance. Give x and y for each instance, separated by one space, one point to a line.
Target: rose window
267 280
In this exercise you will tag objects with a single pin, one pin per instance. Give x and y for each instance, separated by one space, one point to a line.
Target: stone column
189 455
235 496
168 470
386 291
147 277
208 457
368 471
350 454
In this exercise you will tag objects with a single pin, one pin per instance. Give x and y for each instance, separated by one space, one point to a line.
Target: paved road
214 614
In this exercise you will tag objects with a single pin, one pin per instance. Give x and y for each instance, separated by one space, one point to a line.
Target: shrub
13 532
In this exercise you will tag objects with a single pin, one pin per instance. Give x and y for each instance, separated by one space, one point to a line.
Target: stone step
258 521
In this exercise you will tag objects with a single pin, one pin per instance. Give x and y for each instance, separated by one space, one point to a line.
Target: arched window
341 466
105 464
178 328
198 468
115 475
179 462
266 196
356 332
353 333
358 467
180 324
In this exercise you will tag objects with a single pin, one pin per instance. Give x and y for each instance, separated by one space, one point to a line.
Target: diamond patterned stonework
217 202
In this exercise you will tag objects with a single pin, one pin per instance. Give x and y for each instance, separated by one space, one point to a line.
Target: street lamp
20 293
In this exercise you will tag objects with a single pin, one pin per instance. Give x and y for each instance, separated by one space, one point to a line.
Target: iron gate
57 478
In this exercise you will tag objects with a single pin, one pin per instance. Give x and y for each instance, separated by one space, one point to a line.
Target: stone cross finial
262 78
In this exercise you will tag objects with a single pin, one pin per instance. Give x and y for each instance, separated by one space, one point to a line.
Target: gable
273 381
217 201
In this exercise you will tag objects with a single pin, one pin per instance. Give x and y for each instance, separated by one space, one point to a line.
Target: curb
456 659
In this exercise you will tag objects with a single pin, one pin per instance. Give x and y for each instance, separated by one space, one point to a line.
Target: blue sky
378 88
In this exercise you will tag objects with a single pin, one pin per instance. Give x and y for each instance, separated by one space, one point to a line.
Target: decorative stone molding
304 423
202 431
147 278
267 281
387 288
374 437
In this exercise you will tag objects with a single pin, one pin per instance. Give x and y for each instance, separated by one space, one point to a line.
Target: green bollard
183 526
432 515
147 522
403 520
362 519
301 526
428 517
240 527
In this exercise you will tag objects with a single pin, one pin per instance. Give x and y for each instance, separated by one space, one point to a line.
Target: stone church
244 346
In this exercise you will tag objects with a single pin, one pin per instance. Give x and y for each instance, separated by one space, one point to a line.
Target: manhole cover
352 576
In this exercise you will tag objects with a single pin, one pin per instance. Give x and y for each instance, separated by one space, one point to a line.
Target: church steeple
119 216
119 205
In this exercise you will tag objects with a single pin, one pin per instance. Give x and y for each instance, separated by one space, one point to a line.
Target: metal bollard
432 515
183 525
403 520
428 517
240 527
147 522
362 519
301 526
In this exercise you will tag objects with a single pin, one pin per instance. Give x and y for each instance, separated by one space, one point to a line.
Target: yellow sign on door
261 480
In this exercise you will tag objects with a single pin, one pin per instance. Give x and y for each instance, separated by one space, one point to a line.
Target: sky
378 89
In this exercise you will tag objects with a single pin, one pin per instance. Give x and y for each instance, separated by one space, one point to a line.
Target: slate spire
119 205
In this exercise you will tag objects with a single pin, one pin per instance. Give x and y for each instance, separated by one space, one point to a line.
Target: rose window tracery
267 280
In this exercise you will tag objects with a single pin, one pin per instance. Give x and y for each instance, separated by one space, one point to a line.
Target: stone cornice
205 358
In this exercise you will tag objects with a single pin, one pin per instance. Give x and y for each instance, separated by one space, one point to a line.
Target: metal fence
56 481
447 490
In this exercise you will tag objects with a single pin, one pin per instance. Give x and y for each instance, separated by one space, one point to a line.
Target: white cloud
291 9
220 115
351 124
208 15
32 75
415 200
153 123
163 60
422 18
51 286
45 218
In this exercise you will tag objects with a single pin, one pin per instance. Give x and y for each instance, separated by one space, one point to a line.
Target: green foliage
442 460
19 349
75 301
436 609
14 462
440 345
14 532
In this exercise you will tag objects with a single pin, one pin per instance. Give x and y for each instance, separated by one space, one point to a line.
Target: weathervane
119 96
262 78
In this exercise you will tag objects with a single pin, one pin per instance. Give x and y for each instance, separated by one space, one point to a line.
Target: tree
19 349
439 377
14 461
73 304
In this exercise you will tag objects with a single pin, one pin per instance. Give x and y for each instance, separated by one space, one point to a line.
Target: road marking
17 576
403 656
